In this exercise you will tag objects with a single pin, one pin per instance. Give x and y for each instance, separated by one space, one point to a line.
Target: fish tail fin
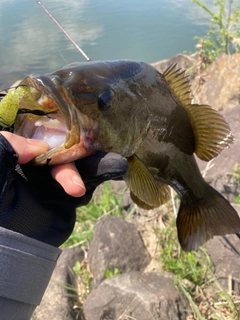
200 221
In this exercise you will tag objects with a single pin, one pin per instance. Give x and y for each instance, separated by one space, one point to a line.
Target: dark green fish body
129 108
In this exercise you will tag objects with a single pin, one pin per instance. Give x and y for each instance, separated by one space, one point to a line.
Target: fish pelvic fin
178 83
144 190
164 196
199 222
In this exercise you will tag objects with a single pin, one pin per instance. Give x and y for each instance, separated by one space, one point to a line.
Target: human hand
66 174
39 207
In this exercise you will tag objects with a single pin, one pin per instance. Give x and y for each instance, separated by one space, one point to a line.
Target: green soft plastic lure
9 105
19 101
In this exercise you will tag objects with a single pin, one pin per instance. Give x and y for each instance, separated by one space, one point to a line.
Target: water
148 30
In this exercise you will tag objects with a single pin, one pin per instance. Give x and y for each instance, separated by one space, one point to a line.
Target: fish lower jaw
52 129
59 153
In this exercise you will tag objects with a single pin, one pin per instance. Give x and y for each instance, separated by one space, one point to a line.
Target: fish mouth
52 117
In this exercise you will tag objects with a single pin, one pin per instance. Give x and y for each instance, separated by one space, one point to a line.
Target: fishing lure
9 105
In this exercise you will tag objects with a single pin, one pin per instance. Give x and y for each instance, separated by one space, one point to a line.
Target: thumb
27 149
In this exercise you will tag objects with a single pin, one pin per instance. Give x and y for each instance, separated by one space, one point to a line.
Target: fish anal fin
199 222
141 182
211 131
178 83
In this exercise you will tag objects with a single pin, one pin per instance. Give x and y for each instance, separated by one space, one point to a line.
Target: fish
130 108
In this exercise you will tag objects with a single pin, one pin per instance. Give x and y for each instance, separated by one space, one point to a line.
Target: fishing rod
4 125
64 31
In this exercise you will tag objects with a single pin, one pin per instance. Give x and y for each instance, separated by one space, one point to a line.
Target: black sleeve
26 268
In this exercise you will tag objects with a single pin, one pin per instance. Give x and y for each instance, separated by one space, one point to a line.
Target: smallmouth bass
129 108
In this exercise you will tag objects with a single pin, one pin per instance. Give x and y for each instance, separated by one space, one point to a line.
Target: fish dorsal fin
212 133
143 187
178 83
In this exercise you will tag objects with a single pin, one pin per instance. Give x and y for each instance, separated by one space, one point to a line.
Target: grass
107 203
194 272
78 294
195 278
236 176
193 266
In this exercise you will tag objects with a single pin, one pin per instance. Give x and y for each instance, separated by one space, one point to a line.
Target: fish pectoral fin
141 183
212 133
164 196
199 222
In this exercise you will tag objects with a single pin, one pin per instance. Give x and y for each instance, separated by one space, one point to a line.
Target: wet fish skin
148 118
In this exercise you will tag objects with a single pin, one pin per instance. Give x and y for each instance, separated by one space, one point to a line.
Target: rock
226 259
118 187
116 244
221 83
136 296
183 61
220 176
57 302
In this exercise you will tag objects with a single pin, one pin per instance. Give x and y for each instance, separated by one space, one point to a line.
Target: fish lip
81 130
46 86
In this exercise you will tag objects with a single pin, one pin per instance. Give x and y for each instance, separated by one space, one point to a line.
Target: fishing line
64 31
3 92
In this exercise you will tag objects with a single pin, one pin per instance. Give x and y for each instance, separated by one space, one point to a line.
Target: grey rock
183 61
116 244
220 85
147 296
220 176
225 255
118 187
57 302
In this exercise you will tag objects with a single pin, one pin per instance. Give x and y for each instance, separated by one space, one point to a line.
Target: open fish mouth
51 116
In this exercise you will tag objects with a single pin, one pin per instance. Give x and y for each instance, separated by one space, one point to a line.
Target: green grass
194 273
193 266
195 278
107 203
110 274
236 177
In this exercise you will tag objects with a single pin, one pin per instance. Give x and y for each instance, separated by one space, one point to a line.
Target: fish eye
105 100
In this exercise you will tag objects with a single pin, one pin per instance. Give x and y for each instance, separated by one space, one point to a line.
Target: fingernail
78 181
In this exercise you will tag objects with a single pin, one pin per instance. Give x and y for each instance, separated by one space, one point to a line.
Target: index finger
68 176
